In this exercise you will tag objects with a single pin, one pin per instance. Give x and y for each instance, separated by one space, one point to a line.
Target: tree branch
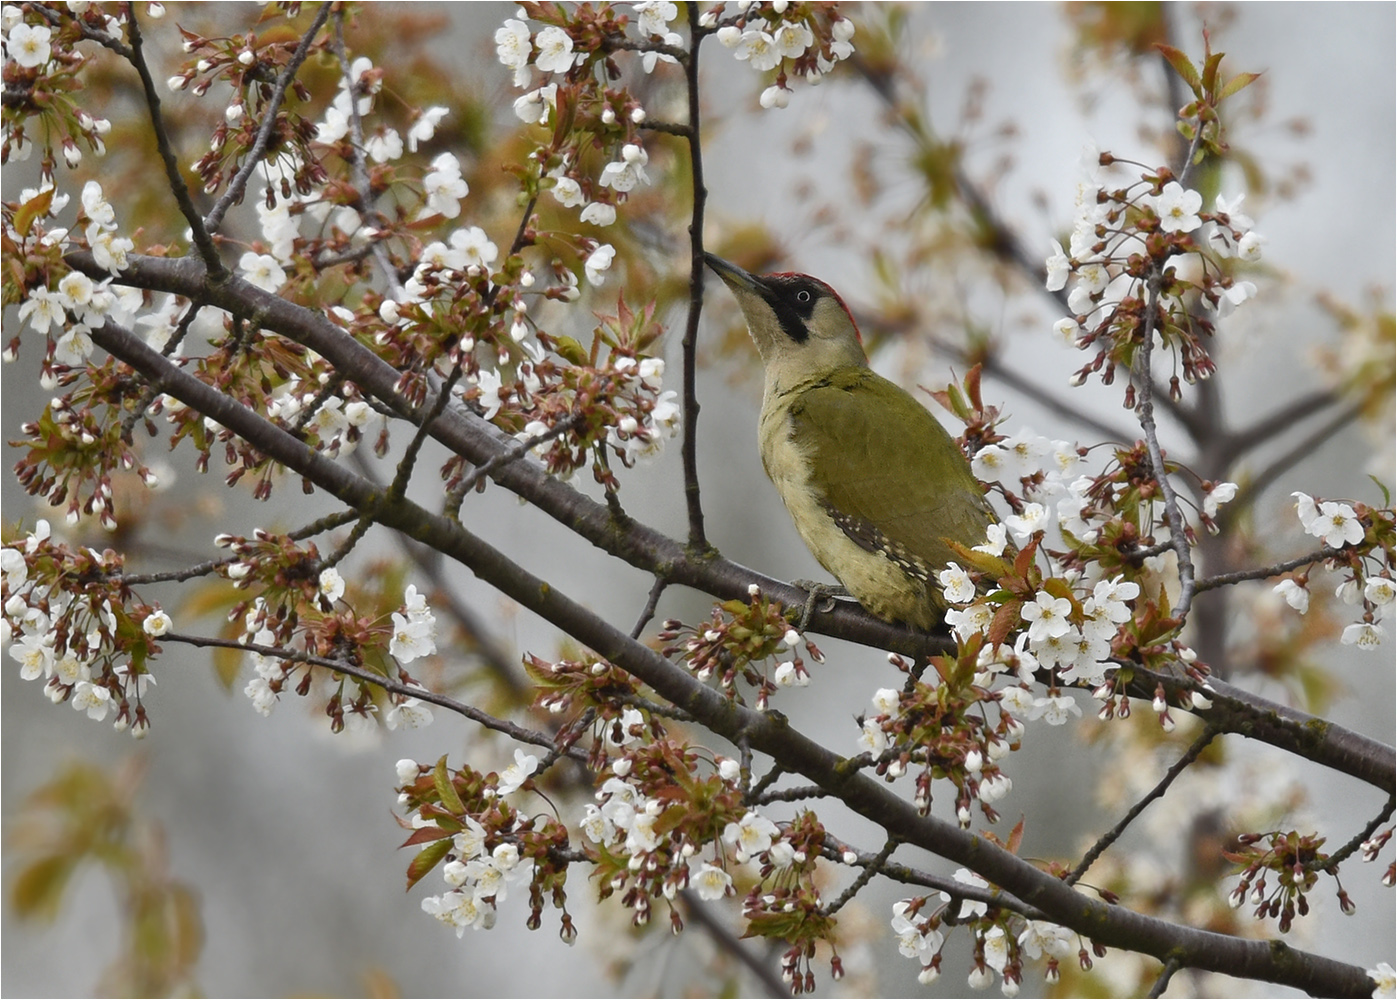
653 552
1271 961
1265 572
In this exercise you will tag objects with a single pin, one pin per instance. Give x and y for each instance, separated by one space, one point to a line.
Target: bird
877 488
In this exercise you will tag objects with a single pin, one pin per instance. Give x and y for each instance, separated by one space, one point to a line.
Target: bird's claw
821 596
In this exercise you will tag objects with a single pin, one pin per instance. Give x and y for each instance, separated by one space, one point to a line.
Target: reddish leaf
1016 836
1182 66
425 835
1003 623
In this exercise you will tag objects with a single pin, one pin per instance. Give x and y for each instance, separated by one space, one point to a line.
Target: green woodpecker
876 486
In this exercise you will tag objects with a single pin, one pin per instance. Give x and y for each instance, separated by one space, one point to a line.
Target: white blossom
425 127
262 271
1177 208
554 50
157 623
28 45
598 262
625 173
513 777
599 213
1364 635
513 44
758 47
409 714
1295 595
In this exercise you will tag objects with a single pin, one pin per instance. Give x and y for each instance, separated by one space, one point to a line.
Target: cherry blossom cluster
941 731
805 40
302 609
1295 860
1003 941
467 825
736 643
1364 535
575 54
76 445
648 828
659 809
247 65
1068 562
43 66
69 620
58 303
1146 256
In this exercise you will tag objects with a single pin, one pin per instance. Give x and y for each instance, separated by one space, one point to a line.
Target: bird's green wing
888 472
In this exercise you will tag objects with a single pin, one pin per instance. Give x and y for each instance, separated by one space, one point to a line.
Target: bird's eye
803 295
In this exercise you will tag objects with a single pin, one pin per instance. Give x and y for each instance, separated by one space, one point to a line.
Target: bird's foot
821 596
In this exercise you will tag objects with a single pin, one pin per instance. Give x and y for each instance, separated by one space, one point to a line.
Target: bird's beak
733 276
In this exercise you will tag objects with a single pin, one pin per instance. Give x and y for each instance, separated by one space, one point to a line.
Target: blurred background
284 832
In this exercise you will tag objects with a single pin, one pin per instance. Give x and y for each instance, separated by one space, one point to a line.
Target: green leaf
571 351
1386 493
427 859
1182 66
33 209
1210 71
38 889
1235 84
450 801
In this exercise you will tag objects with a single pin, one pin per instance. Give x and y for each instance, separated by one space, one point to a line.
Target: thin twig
1112 835
1162 983
328 523
203 242
357 168
1145 409
517 450
238 184
1331 863
765 782
698 542
869 870
1265 572
907 875
56 18
369 677
655 708
648 612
